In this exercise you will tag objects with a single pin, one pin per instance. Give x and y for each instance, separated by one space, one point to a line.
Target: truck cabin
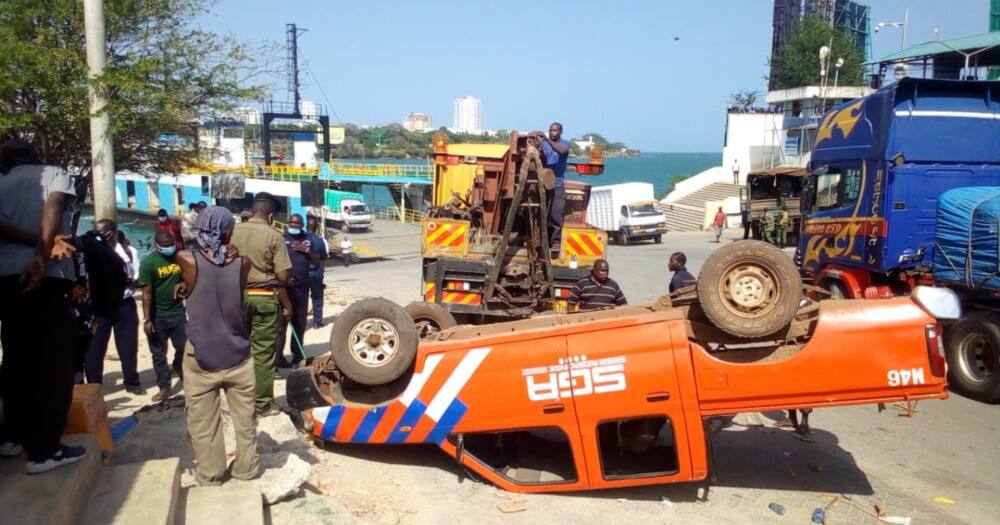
640 209
357 210
878 166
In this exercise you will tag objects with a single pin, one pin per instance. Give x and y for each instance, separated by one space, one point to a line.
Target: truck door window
838 187
525 457
624 210
637 447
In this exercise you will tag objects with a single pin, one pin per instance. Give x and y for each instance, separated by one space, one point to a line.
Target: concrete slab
240 504
136 493
55 497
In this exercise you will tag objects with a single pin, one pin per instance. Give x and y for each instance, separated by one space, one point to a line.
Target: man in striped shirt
596 290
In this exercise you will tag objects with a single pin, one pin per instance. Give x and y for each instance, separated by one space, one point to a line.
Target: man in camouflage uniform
768 226
784 223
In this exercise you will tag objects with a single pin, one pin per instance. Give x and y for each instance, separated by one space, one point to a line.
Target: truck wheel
344 227
374 341
973 350
429 318
836 288
749 289
623 238
658 239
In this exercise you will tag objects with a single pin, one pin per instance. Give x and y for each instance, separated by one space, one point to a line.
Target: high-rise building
417 122
848 15
467 116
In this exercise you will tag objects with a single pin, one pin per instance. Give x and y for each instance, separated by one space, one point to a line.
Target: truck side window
624 211
637 447
838 187
525 457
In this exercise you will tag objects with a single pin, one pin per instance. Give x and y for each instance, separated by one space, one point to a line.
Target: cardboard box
88 414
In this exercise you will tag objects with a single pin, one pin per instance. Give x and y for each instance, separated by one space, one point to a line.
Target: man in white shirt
187 226
736 171
345 251
124 322
38 328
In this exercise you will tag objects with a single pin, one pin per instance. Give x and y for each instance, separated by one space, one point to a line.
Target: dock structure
300 188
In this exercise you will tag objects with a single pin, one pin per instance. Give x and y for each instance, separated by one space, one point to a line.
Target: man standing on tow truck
556 153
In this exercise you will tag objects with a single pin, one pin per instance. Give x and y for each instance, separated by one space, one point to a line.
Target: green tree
744 99
163 77
798 63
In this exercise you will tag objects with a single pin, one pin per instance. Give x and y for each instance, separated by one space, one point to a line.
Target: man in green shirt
267 299
163 312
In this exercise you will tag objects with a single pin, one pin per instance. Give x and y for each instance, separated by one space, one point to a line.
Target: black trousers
299 296
168 330
316 287
557 206
125 324
36 378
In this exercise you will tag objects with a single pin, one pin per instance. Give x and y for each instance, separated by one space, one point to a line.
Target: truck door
628 405
521 433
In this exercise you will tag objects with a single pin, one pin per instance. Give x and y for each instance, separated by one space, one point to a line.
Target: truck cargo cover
967 237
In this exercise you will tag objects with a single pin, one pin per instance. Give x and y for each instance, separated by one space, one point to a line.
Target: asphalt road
862 457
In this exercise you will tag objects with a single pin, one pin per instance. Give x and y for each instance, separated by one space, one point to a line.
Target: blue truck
904 189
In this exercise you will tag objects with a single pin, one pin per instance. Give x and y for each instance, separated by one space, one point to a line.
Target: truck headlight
942 303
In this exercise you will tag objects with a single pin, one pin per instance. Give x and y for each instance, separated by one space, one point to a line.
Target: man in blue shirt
316 285
303 253
682 278
555 152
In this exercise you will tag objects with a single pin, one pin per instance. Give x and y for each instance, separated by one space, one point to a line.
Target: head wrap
212 224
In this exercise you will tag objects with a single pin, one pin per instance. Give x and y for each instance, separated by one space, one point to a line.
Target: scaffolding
849 15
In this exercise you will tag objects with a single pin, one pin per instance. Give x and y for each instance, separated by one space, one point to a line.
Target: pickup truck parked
623 396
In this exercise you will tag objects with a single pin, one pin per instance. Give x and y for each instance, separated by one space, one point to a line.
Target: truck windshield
359 209
644 210
765 187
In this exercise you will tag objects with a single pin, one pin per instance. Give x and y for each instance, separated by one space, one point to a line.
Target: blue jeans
316 288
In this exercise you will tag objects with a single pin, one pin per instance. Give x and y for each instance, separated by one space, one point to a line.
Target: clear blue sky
607 67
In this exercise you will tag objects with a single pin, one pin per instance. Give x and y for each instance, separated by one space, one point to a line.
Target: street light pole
101 147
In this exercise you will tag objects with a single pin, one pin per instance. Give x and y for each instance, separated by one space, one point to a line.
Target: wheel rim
426 327
373 341
977 357
749 290
835 291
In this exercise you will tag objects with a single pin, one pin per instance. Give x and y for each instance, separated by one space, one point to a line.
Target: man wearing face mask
163 312
303 254
165 223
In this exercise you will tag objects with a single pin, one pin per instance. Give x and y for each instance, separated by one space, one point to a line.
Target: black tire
836 288
658 239
623 238
749 289
429 318
345 227
361 327
973 349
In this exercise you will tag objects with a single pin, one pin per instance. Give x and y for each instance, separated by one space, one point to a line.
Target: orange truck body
575 375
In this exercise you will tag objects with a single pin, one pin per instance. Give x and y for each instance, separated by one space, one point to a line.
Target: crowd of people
226 295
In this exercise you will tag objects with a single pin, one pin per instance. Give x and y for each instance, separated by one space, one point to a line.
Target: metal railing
296 174
393 213
418 171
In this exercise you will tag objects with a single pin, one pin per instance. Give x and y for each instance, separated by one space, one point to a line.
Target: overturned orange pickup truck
617 397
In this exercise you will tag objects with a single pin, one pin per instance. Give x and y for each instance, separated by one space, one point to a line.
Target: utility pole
101 149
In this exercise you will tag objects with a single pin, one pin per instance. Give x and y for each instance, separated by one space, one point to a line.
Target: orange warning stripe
452 296
445 234
583 244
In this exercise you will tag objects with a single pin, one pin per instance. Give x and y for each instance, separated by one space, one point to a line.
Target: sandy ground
858 457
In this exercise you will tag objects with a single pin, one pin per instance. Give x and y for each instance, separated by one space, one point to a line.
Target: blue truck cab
871 202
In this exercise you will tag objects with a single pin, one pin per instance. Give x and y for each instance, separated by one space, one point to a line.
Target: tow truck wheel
836 288
429 318
749 289
374 341
973 350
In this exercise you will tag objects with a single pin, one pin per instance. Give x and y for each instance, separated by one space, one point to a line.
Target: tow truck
899 196
623 396
485 243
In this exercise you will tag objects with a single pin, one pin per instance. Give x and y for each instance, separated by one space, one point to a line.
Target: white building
586 143
221 143
802 109
467 116
247 116
417 122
